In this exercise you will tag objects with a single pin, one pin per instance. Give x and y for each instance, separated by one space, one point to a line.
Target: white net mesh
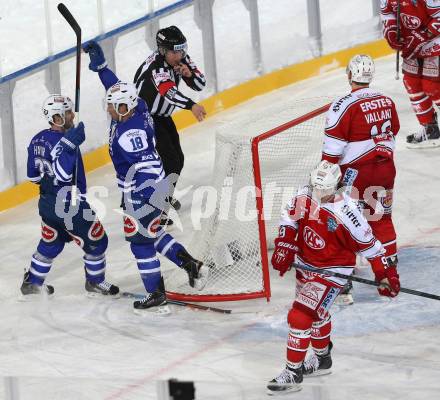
229 239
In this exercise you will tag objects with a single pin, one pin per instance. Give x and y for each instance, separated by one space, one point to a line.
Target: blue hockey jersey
132 147
51 166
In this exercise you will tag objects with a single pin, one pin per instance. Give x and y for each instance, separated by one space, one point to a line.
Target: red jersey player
323 229
360 136
413 27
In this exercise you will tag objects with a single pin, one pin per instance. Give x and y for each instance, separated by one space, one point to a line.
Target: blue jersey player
145 188
52 155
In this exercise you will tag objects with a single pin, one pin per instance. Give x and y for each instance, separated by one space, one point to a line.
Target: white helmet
122 93
361 67
325 177
56 104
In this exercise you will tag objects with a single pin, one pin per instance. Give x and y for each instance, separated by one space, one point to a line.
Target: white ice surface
72 347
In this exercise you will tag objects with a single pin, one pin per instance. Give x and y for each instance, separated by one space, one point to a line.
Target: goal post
254 177
259 187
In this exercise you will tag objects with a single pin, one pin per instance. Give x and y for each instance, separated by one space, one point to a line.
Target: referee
157 80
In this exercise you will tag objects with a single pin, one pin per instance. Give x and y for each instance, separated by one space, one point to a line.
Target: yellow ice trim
222 101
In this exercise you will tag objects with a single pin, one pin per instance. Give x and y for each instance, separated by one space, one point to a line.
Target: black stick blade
64 11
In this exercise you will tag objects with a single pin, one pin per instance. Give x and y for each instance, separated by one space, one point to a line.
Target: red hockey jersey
360 127
329 235
418 15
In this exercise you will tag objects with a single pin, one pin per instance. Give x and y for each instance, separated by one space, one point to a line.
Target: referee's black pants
168 145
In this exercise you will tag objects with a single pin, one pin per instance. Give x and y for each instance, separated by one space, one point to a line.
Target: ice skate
165 221
427 137
101 289
155 303
29 289
287 382
392 261
345 298
317 365
174 203
198 273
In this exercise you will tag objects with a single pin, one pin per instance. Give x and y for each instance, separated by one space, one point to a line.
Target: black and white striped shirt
157 83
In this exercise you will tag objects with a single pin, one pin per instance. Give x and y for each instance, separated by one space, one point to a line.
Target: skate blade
160 311
290 389
426 144
320 372
27 298
344 300
96 295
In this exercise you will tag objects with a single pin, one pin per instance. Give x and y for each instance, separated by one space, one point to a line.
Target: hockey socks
42 259
40 267
169 247
148 265
94 267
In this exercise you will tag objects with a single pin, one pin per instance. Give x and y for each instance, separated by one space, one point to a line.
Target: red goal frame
265 292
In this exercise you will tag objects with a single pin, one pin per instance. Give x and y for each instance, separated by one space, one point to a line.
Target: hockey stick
77 29
361 280
140 296
398 40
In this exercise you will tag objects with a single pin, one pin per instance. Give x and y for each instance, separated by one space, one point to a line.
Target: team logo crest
312 239
48 233
332 225
410 21
96 231
153 227
130 226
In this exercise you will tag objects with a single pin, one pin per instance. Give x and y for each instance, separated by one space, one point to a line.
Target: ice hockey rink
73 347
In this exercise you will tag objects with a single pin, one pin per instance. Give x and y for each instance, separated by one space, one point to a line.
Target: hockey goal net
254 178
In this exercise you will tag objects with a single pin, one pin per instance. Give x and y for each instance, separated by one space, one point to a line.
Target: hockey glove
97 59
73 137
387 276
285 249
413 44
390 34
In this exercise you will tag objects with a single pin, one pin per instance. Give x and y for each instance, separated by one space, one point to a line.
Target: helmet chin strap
62 125
120 116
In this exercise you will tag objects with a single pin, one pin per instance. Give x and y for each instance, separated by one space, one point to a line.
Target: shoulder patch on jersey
133 140
332 224
161 76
